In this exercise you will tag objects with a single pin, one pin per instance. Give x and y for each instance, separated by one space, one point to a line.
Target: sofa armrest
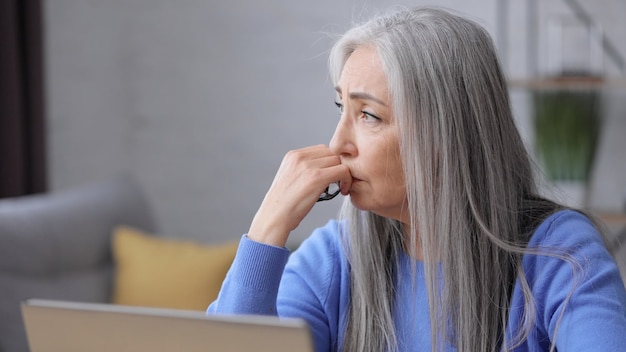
57 246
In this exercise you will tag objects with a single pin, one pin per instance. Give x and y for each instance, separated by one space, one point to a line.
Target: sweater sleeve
251 284
266 280
581 300
313 287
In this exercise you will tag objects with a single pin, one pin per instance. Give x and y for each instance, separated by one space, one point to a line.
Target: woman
443 243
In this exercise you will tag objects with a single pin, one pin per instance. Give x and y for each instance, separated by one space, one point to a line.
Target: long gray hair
469 184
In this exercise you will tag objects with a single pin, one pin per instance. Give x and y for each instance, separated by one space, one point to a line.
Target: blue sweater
315 285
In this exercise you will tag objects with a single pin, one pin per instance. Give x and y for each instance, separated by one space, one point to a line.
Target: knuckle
293 156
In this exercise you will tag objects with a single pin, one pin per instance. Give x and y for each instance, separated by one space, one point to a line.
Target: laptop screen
71 326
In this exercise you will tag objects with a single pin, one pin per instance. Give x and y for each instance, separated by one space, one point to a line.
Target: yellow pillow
167 273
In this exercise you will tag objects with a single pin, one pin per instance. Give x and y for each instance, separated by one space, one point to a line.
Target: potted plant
567 124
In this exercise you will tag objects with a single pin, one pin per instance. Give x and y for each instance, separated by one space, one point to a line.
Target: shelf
573 83
611 217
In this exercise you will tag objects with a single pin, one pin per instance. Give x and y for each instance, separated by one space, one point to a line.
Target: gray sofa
57 246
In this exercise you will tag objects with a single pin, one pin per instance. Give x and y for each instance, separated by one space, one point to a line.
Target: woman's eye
339 106
367 116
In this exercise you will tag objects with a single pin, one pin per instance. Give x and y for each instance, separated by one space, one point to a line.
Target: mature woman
444 243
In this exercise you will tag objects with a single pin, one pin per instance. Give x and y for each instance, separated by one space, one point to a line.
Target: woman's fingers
343 177
309 170
301 178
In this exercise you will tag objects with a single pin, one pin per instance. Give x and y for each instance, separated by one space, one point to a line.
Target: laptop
60 326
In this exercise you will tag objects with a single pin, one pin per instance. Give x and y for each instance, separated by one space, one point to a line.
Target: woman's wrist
267 233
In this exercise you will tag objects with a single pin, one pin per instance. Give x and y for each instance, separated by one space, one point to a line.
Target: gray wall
199 100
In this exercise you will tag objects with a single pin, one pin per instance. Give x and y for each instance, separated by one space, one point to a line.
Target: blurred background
200 100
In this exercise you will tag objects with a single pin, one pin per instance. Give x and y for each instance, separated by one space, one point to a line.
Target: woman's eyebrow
363 96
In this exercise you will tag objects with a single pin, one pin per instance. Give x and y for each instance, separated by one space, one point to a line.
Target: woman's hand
302 177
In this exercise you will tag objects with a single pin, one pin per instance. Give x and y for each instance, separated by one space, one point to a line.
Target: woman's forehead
363 72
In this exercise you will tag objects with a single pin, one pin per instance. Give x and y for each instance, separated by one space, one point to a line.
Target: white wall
201 99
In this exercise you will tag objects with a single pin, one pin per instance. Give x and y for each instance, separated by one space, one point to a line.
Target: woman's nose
342 142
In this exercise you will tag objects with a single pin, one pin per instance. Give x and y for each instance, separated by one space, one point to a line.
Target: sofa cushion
168 273
57 246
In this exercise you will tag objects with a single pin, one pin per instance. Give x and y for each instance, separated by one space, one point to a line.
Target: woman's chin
357 201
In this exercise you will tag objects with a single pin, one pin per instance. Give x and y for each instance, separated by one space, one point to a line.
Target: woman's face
366 138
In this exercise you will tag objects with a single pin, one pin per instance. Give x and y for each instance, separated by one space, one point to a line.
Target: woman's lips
355 182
